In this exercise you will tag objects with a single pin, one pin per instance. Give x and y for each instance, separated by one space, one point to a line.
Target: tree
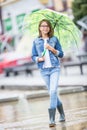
79 8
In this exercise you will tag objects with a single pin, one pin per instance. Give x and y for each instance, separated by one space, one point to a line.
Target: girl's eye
44 26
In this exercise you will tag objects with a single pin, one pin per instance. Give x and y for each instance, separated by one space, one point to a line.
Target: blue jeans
51 78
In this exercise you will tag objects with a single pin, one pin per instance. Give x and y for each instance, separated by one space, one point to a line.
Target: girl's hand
41 59
47 46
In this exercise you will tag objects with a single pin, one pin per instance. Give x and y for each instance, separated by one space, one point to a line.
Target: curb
40 94
9 98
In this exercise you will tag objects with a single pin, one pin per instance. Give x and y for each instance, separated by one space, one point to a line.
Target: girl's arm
35 56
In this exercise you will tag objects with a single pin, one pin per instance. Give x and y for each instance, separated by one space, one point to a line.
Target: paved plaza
24 103
32 114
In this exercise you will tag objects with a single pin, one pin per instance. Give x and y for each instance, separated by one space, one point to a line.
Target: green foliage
79 8
81 1
84 9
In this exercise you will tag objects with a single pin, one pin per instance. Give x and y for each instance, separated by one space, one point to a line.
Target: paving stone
40 122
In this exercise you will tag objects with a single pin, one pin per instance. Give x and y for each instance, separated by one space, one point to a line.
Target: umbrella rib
58 33
47 16
72 35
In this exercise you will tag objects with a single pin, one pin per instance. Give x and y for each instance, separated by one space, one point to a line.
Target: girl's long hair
51 32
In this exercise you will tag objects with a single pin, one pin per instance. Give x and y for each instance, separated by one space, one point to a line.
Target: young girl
45 52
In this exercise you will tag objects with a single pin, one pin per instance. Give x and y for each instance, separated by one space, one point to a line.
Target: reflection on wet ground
33 114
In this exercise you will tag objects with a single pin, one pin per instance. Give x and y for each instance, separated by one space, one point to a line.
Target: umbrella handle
43 53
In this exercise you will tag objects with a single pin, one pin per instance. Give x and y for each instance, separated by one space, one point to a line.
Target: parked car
13 60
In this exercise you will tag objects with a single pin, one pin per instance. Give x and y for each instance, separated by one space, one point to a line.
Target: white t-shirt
47 62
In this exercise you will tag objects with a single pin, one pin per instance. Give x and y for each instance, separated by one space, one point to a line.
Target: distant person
46 52
5 50
85 41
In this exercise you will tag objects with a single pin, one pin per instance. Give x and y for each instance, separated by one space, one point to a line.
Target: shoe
61 111
52 113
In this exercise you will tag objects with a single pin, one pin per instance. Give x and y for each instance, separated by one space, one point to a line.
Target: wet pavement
24 102
32 114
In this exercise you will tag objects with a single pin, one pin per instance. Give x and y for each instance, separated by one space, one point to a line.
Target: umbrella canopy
66 31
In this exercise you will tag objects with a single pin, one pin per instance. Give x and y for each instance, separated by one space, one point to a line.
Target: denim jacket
38 48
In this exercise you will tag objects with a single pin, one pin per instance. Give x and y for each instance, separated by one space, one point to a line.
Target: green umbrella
64 28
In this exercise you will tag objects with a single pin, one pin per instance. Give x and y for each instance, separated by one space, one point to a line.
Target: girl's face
44 28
